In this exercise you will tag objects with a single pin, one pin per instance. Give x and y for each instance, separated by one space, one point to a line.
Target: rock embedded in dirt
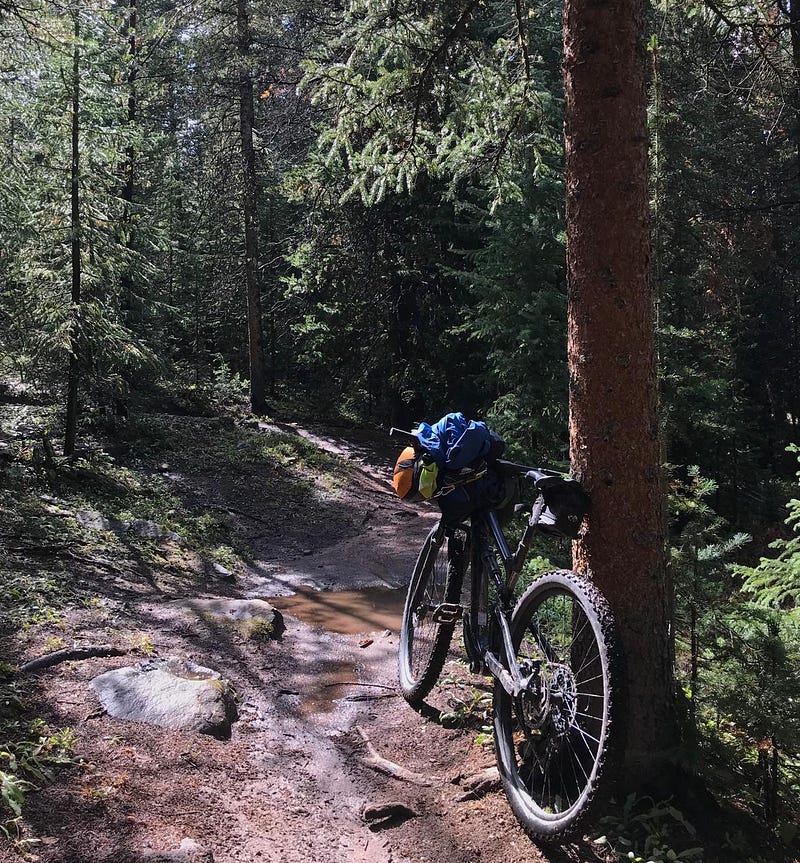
478 784
171 693
93 520
254 619
151 530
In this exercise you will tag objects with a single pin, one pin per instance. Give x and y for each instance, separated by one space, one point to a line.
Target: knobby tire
552 741
437 579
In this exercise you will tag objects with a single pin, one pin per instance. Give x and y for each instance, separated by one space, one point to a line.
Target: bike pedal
447 612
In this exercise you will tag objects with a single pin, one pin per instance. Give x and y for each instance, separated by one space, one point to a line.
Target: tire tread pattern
576 584
416 690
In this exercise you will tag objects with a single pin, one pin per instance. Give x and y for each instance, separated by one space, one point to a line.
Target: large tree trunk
613 401
258 402
73 373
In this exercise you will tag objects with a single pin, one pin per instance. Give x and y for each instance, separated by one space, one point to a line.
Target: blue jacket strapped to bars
455 442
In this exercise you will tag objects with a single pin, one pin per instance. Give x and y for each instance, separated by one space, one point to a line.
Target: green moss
257 629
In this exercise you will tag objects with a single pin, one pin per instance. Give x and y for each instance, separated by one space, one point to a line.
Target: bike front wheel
430 613
552 739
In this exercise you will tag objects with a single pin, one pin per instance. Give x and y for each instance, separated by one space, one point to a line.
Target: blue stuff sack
455 442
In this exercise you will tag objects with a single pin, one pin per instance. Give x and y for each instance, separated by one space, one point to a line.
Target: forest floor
107 549
311 517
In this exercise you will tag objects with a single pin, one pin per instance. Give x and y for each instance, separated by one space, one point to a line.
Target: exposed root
383 765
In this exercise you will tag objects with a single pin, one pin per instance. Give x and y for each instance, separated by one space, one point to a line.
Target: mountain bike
550 653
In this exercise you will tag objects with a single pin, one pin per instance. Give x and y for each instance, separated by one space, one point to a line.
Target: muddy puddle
348 612
322 681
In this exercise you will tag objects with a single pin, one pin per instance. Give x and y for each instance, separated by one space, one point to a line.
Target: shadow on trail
291 783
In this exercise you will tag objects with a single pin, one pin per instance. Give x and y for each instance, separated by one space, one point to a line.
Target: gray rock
222 572
146 529
172 693
93 520
253 618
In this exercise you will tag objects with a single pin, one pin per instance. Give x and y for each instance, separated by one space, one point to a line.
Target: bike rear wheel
552 739
430 613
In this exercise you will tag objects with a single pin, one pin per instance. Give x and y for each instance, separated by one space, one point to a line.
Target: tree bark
73 374
614 438
258 402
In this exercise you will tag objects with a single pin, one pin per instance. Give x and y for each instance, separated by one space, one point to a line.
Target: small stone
365 642
222 572
163 467
307 551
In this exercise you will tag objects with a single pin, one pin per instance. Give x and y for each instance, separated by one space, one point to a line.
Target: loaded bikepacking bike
550 652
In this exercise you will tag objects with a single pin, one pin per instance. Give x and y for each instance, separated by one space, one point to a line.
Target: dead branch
383 765
69 654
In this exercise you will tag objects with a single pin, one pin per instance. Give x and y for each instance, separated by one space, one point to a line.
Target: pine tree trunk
258 402
73 374
613 400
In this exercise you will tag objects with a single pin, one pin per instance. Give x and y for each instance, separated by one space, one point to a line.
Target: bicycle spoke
424 641
558 749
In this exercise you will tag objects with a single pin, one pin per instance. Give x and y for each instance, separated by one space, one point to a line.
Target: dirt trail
292 783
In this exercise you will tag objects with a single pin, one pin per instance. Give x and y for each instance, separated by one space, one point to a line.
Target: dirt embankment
318 708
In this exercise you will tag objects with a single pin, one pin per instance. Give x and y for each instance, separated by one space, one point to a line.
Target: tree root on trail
478 784
383 765
69 654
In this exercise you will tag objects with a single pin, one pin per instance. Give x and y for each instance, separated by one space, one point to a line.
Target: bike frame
497 655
